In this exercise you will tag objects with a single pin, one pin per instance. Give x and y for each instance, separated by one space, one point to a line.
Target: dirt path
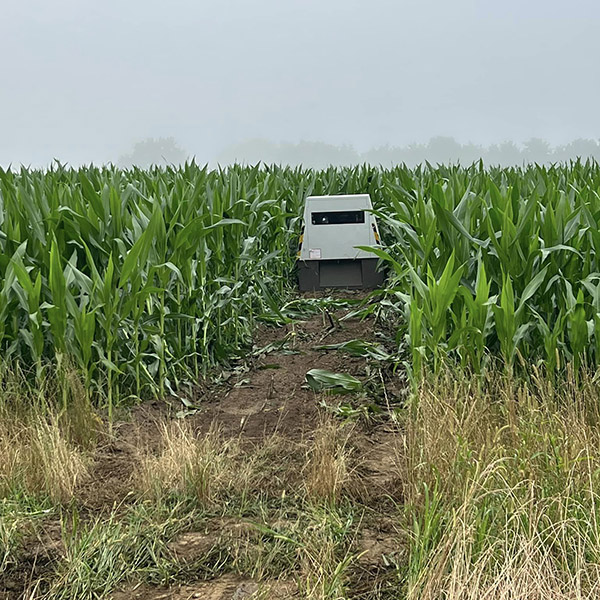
265 396
268 395
272 395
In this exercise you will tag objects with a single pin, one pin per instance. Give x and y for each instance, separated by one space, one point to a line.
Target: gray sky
82 80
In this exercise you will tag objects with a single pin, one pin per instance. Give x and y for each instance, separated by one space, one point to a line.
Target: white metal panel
337 241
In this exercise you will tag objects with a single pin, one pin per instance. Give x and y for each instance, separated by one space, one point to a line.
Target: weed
327 468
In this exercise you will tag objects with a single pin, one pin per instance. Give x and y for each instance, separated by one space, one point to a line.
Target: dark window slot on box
338 217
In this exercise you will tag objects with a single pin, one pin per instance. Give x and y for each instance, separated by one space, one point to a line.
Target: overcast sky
82 81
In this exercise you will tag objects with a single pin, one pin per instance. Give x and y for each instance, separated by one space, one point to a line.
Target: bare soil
272 396
226 587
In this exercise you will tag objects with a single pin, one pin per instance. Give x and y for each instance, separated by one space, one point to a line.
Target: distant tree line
439 149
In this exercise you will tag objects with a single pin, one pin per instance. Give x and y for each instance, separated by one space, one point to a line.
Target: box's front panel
347 273
335 225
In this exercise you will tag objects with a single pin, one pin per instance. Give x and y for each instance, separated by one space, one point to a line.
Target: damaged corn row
143 280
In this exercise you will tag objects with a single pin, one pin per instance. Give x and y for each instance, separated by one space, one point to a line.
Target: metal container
328 256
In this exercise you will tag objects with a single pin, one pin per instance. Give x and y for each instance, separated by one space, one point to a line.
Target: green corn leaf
360 348
320 380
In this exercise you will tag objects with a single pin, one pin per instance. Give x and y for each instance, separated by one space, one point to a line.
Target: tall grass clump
39 460
185 465
44 452
327 469
501 488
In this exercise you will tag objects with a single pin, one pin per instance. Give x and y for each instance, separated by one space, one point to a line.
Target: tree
504 154
443 149
151 151
580 148
536 150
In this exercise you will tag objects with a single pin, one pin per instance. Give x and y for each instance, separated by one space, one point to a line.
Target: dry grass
499 499
39 459
501 482
327 464
42 450
211 466
185 464
80 421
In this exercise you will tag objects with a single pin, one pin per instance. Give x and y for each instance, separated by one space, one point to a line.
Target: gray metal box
329 254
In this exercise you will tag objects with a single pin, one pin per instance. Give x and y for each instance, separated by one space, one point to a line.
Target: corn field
144 280
499 262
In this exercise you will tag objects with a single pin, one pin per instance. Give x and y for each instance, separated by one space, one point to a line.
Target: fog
85 81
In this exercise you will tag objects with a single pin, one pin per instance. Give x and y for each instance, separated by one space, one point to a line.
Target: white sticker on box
314 253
